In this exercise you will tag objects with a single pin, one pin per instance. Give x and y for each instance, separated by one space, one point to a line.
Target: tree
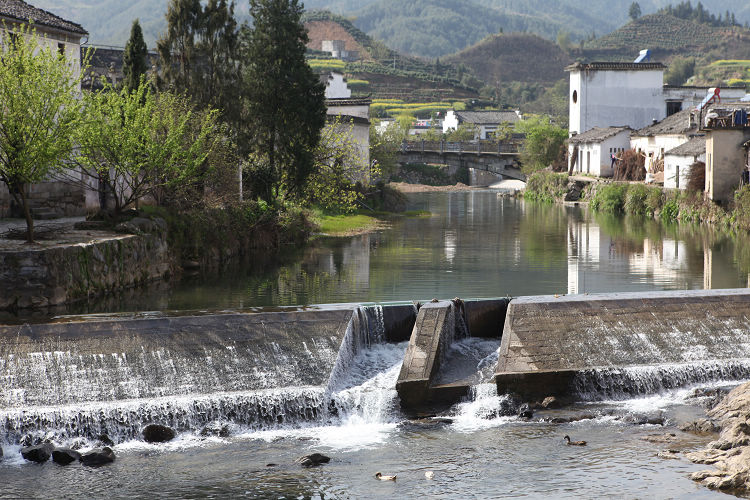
542 144
680 70
284 100
199 54
135 58
634 11
144 144
563 40
39 112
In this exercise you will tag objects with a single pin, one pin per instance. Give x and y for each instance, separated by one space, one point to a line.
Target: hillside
667 36
514 57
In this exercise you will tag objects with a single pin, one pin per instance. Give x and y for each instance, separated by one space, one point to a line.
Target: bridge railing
487 147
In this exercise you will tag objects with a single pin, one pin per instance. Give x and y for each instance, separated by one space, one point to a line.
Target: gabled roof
19 10
694 147
348 101
597 134
614 66
676 124
487 117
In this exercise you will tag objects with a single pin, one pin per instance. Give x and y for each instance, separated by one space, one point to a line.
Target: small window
61 49
13 39
575 96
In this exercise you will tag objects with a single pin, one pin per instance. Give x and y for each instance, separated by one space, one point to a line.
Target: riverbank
406 187
636 198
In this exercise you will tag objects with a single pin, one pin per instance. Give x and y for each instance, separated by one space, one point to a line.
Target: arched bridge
492 156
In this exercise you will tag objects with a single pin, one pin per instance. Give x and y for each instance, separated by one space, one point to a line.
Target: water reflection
476 244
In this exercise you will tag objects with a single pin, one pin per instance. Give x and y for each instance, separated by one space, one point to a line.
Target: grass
346 225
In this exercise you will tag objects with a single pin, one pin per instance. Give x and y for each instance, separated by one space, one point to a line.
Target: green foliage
680 70
199 54
610 198
135 58
283 99
464 132
543 144
385 147
343 225
699 14
142 144
670 210
642 200
547 187
39 112
339 171
634 11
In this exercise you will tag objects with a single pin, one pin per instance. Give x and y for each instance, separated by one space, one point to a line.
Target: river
475 244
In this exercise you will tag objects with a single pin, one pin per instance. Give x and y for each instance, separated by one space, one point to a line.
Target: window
575 96
61 49
673 107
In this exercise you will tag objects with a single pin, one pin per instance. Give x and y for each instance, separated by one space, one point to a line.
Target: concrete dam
92 376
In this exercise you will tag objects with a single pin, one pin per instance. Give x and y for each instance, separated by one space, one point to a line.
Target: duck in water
380 476
573 443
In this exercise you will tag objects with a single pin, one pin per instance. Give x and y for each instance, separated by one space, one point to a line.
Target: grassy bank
547 187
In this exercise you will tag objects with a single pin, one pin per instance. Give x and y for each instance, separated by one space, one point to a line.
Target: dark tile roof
487 117
19 10
678 123
349 101
597 134
694 147
614 66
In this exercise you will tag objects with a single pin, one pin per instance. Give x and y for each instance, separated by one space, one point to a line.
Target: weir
606 345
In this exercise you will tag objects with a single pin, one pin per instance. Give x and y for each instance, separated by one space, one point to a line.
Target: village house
54 197
727 131
486 122
679 161
656 139
350 113
337 50
592 150
605 94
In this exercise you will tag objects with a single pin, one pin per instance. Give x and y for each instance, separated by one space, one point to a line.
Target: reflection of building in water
719 271
588 247
349 262
661 261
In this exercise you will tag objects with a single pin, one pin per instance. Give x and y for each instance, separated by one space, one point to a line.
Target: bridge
498 157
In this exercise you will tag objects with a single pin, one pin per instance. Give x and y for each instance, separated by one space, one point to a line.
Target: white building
594 148
337 49
658 138
336 86
679 161
486 122
605 94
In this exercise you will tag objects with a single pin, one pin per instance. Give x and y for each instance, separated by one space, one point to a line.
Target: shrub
635 199
610 198
546 186
670 211
697 177
631 167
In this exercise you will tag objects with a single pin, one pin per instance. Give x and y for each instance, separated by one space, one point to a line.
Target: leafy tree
385 146
563 40
543 143
464 132
39 113
199 54
680 70
135 58
340 170
144 145
284 99
634 11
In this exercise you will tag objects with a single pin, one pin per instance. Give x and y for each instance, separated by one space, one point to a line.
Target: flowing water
475 244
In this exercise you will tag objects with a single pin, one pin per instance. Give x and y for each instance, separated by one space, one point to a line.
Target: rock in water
98 457
156 433
525 411
551 403
313 460
65 456
39 453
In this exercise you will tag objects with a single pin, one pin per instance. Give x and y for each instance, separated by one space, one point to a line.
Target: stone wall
66 273
47 200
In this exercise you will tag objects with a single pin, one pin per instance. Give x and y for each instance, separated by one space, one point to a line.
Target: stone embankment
730 454
87 263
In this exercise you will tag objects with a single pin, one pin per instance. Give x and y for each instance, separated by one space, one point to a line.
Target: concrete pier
548 340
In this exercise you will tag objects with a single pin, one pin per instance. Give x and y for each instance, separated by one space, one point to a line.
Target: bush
642 200
697 177
546 186
610 198
670 211
631 167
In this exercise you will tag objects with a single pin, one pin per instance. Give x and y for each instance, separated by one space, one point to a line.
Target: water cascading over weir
93 376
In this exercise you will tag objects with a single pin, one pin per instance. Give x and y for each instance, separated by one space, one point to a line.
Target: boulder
98 457
157 433
551 403
65 456
39 453
312 460
525 411
215 429
104 439
575 188
701 426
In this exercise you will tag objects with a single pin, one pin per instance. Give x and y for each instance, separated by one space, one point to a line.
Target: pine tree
135 58
634 11
284 99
